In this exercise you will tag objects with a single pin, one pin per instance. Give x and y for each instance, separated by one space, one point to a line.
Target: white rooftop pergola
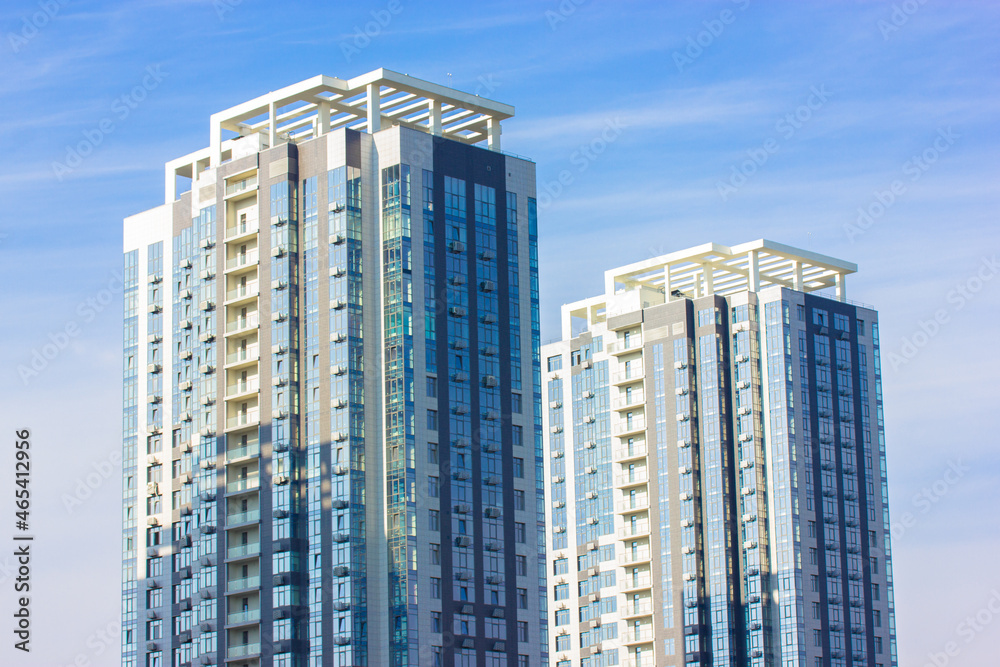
370 102
717 269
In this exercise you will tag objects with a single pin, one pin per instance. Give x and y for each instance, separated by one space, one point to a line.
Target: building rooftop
713 268
369 103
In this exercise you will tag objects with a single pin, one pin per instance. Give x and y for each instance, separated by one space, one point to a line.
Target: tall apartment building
332 407
717 482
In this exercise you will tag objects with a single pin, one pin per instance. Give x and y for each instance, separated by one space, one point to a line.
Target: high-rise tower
717 481
332 428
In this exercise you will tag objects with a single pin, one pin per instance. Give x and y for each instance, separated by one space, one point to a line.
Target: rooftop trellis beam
714 268
370 101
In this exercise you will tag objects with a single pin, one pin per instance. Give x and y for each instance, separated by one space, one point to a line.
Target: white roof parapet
368 102
717 269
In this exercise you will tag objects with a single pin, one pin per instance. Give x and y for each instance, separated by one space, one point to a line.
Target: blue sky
827 108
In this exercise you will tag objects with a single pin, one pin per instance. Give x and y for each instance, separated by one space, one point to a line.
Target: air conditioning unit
685 496
742 384
279 414
338 304
337 238
463 541
279 316
747 491
336 207
206 369
279 349
280 479
338 369
748 518
492 512
680 391
279 284
686 523
682 444
678 365
278 251
750 544
684 470
746 464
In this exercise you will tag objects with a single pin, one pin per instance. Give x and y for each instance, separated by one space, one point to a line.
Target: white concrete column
374 108
840 281
753 276
567 323
215 141
697 282
493 134
434 108
797 281
170 184
272 124
324 118
709 274
667 288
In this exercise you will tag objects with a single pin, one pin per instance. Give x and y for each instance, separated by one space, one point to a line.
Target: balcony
627 452
641 529
626 507
241 324
629 427
241 485
242 356
243 551
242 229
642 636
618 347
243 260
241 292
627 377
243 650
252 449
244 584
236 187
242 517
634 556
241 419
626 402
632 477
643 607
642 582
241 387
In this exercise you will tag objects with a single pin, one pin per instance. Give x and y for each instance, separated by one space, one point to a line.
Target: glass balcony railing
243 386
242 323
248 418
249 354
247 484
243 650
243 584
243 291
251 449
242 228
243 185
242 550
242 517
248 258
